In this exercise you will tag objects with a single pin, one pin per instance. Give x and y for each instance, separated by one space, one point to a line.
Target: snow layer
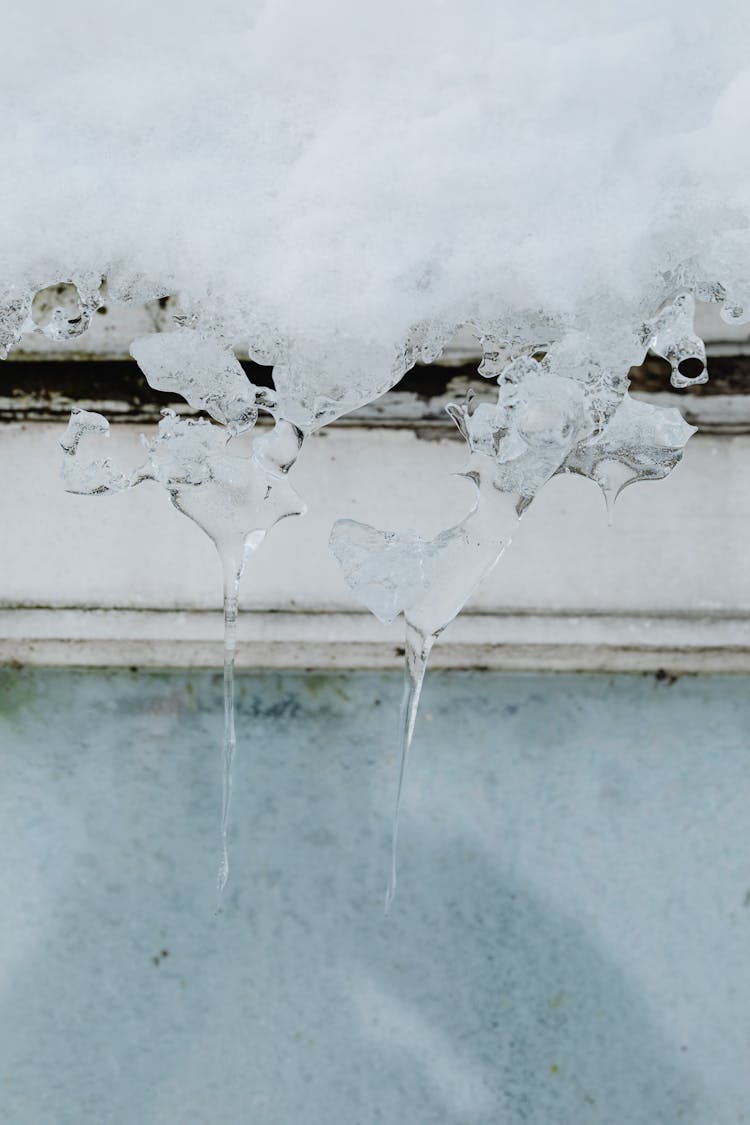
342 184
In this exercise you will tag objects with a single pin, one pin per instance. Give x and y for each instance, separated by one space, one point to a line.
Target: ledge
673 644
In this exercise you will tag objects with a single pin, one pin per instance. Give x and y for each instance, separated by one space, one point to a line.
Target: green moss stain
17 696
318 686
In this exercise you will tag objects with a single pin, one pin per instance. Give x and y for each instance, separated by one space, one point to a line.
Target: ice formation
333 189
553 416
235 499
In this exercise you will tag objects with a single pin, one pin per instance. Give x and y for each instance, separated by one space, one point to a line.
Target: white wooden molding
127 580
667 644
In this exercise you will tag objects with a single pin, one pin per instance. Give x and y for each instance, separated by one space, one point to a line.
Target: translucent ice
641 442
388 572
88 477
428 581
64 311
671 335
205 372
235 499
564 414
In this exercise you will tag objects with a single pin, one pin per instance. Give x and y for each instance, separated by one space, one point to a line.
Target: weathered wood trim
45 391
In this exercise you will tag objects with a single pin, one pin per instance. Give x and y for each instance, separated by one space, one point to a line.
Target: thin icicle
418 648
610 497
231 603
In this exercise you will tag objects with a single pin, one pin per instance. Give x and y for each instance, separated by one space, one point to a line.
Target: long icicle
232 575
418 648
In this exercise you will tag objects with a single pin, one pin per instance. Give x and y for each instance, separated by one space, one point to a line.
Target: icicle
418 648
564 414
232 575
234 499
233 566
610 496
